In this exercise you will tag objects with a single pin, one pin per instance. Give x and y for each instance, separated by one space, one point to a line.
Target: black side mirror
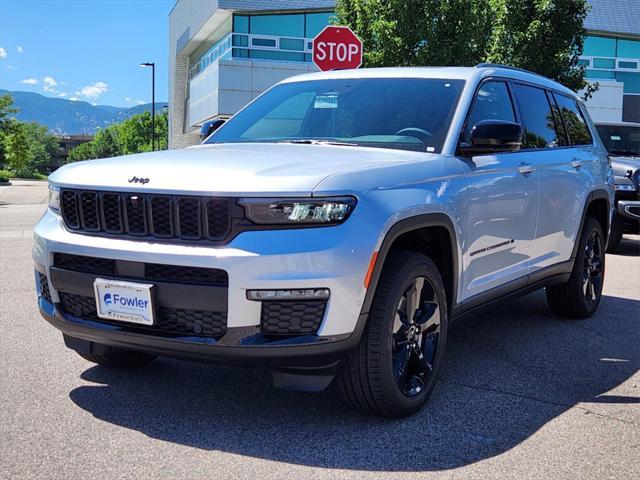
493 136
209 127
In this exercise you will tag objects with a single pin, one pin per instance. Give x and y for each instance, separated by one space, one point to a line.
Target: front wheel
395 367
580 296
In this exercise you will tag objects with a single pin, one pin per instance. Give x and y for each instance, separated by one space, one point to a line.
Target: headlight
298 211
624 187
54 198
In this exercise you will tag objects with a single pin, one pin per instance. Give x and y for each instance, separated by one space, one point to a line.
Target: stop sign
337 48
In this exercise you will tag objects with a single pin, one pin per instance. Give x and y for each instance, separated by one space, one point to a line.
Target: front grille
44 287
147 215
292 317
636 178
199 323
634 210
148 271
81 263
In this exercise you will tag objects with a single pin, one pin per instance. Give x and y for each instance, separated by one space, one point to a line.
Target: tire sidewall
416 265
591 226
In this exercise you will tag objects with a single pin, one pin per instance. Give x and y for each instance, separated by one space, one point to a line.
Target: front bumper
629 209
335 258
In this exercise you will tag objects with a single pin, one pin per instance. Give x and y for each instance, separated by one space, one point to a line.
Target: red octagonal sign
337 48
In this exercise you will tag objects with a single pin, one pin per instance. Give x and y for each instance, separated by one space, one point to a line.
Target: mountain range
67 117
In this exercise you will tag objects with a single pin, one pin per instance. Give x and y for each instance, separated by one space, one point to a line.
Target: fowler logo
135 179
124 301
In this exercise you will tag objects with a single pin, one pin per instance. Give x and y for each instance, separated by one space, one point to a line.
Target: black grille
292 317
174 321
44 287
148 271
80 263
147 215
636 178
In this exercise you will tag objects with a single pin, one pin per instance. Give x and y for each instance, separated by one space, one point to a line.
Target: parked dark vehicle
622 141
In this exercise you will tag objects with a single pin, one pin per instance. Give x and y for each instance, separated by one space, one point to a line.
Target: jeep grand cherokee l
333 228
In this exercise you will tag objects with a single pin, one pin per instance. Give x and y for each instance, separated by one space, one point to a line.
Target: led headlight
624 187
298 211
54 198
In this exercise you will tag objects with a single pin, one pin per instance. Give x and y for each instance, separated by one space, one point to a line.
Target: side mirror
493 136
209 127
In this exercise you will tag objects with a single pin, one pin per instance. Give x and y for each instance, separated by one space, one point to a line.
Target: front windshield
620 139
400 113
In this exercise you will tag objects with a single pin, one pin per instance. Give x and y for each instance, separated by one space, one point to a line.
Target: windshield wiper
313 141
623 152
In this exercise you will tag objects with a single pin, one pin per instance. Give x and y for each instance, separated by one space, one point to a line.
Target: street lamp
153 101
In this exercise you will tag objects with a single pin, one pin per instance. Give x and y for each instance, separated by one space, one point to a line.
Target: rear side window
537 117
492 102
574 122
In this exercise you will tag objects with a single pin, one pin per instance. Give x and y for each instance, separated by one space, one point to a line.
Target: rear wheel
118 358
394 369
580 296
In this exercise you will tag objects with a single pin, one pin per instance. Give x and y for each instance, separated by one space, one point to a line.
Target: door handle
576 164
525 169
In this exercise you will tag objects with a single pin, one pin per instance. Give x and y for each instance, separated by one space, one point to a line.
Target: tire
112 357
580 296
615 236
372 378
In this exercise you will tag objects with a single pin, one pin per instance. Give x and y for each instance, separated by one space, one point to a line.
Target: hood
621 165
241 168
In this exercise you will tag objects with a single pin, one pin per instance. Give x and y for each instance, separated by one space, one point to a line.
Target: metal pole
153 106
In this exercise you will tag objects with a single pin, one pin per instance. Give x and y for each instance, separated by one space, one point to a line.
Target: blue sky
85 49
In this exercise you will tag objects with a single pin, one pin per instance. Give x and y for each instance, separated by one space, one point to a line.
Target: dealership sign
337 48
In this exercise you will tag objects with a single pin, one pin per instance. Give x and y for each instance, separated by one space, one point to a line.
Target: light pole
153 102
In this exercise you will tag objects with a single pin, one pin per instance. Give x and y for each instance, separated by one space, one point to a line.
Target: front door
502 203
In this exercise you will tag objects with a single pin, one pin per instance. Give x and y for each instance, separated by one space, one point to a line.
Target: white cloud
18 48
94 103
131 100
29 81
49 84
93 91
62 94
3 53
11 67
74 99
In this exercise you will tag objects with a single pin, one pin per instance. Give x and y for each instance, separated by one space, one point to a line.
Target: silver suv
334 227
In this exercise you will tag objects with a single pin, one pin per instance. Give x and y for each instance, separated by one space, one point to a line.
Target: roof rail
499 65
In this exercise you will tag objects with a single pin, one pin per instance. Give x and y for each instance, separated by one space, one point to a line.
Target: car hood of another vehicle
623 164
250 169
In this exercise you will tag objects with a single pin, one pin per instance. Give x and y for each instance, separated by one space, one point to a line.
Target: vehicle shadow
508 372
629 247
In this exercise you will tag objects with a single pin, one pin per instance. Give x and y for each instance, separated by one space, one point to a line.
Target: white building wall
606 104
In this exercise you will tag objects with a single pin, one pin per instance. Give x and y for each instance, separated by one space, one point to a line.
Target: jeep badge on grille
135 179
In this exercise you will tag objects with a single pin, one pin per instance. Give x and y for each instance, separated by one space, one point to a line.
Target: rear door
565 172
502 207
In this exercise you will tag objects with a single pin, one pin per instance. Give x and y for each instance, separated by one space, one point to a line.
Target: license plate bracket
124 301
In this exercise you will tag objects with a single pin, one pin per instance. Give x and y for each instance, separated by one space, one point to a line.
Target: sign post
337 48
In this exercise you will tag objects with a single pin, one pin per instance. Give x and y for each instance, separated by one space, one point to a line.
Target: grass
4 176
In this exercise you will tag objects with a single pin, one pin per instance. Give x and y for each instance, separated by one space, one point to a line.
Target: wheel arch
596 206
427 233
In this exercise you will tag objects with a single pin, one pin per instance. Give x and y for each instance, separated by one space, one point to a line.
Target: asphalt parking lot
524 394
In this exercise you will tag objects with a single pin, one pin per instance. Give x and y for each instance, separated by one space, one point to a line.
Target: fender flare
597 194
400 228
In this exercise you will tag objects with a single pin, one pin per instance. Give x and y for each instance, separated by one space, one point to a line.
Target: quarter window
574 122
492 102
539 124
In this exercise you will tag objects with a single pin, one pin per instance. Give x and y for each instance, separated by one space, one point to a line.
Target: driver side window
492 102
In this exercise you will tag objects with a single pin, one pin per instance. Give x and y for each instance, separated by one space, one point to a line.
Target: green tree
131 136
544 36
6 122
16 149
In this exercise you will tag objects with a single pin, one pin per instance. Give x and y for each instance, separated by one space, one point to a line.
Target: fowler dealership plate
124 301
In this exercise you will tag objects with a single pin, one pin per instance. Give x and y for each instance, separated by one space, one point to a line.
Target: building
223 53
612 57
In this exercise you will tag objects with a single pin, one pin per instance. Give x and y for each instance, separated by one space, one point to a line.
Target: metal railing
234 44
